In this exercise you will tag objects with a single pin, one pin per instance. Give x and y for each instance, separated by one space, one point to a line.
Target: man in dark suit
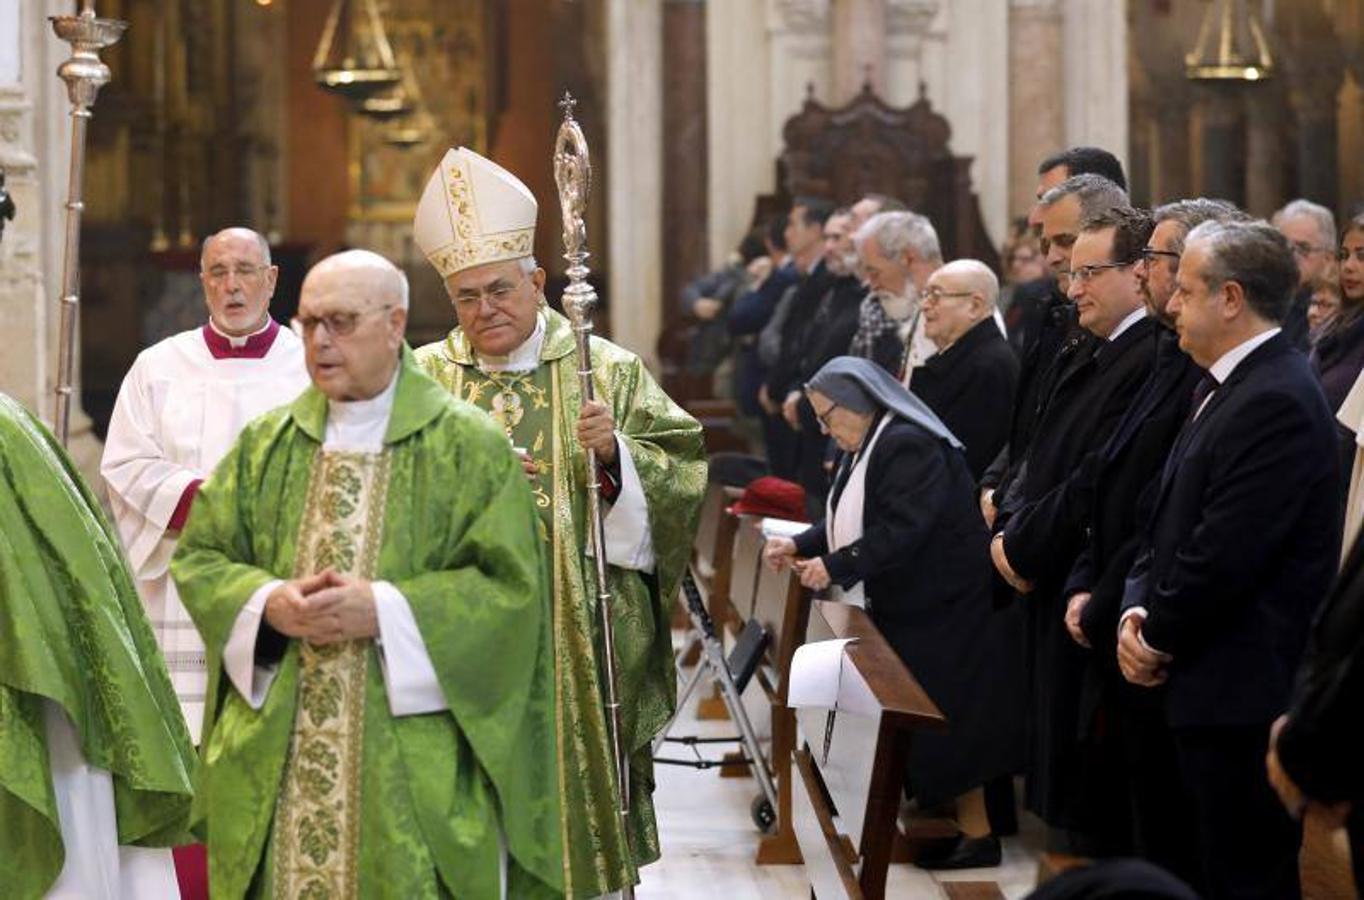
1057 330
1041 522
1112 485
1240 548
970 381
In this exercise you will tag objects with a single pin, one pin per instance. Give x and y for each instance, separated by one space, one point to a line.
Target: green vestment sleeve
73 631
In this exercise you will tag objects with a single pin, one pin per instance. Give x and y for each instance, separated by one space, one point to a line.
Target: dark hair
1131 230
776 232
1356 223
1256 256
817 209
1086 161
1195 211
751 247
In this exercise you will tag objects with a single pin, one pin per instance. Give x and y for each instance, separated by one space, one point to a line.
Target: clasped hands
325 608
1140 664
780 552
1006 571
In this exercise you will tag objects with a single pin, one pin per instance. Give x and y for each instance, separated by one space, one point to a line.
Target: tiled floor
709 843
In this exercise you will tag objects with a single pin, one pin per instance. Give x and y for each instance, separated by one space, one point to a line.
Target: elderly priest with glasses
512 355
364 568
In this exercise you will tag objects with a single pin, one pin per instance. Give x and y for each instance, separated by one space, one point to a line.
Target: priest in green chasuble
364 568
516 358
95 760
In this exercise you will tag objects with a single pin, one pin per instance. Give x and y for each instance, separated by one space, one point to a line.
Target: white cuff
629 542
1141 612
239 656
413 688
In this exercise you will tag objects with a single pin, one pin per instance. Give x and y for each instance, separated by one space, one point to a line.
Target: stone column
685 246
35 139
1222 141
634 167
1266 161
1095 68
1314 107
859 51
1037 122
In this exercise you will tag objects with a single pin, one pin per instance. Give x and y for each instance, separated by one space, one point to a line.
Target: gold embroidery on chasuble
520 404
317 824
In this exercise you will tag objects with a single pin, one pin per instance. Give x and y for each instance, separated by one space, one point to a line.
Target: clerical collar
246 346
360 424
525 358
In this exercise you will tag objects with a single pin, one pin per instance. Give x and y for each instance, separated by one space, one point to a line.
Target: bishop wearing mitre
513 356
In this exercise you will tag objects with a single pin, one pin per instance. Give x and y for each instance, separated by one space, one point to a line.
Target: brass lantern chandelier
1231 45
354 57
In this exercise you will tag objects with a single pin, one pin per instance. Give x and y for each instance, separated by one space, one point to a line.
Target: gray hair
1095 193
261 242
1255 255
528 264
896 232
1322 217
1192 212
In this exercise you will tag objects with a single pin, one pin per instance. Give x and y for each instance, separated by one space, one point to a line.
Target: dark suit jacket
1044 534
970 385
1056 331
784 375
1128 465
1242 543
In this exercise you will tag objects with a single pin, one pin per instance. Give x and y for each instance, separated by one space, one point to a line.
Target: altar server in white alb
181 407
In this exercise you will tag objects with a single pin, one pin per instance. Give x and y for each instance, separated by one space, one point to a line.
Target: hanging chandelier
354 58
1231 45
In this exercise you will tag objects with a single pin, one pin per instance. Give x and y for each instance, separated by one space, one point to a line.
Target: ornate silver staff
84 75
573 175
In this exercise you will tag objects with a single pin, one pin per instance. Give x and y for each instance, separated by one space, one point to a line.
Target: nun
903 538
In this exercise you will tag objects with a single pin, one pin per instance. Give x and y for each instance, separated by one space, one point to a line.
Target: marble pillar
1222 140
1266 161
34 152
685 251
634 167
1316 136
859 48
1095 74
1037 121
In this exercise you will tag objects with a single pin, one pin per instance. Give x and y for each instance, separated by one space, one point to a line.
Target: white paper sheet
815 672
782 527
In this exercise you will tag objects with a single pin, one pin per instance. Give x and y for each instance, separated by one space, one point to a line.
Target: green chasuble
539 412
322 792
73 631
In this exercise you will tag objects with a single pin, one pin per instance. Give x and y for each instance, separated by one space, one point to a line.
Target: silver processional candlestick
84 75
573 175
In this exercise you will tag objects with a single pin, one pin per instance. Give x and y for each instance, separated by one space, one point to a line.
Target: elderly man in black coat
1239 551
970 381
1041 522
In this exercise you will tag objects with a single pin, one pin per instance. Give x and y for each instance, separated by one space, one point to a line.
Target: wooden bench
850 762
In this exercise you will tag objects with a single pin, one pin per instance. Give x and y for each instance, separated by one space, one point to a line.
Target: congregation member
827 334
1073 788
1028 288
181 406
95 778
969 383
901 536
773 275
1239 549
1055 328
515 358
898 251
1325 305
707 299
349 563
878 335
1114 493
1311 231
1316 747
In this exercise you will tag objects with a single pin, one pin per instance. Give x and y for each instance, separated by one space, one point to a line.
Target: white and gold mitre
472 212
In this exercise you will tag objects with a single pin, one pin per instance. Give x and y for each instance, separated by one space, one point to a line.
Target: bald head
237 233
353 309
960 294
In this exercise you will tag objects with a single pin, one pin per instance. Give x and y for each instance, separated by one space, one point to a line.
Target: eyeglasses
338 324
243 272
1303 248
1344 254
1088 273
823 417
935 294
1149 254
497 294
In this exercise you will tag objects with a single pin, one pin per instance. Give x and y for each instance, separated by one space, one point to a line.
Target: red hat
772 496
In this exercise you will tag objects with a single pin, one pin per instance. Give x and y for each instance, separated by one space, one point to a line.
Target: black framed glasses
936 294
1303 248
338 324
823 417
1087 273
1149 254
